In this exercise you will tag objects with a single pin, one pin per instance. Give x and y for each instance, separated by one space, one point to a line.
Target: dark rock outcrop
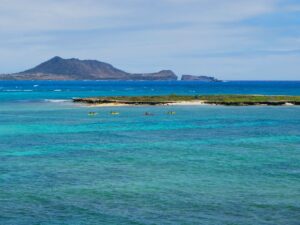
58 68
199 78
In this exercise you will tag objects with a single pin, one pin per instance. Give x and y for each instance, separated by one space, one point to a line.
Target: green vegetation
249 98
209 99
162 99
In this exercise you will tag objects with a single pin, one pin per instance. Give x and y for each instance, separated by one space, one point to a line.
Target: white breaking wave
14 90
57 100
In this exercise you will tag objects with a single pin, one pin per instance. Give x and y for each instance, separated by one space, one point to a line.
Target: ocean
204 165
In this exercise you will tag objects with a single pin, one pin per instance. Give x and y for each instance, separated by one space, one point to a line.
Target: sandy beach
183 103
188 103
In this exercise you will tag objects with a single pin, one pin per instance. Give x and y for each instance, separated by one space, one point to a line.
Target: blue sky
230 39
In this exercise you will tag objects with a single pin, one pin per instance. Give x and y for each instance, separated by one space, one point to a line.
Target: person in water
148 114
92 113
171 113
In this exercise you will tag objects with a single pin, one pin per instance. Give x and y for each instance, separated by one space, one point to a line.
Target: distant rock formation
199 78
58 68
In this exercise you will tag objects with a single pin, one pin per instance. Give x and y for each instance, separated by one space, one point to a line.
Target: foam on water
57 100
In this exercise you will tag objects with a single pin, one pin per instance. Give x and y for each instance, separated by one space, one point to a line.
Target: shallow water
204 165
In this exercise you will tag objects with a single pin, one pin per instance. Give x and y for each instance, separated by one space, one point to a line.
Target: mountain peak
56 58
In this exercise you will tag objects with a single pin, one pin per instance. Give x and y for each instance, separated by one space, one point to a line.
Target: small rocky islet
199 78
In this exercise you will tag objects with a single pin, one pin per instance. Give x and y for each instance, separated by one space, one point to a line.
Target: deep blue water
204 165
35 90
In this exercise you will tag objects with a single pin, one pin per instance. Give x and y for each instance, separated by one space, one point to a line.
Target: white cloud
142 35
36 15
47 15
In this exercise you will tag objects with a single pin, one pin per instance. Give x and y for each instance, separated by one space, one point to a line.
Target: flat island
228 100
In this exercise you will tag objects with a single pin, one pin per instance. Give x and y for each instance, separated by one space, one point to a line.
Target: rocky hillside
58 68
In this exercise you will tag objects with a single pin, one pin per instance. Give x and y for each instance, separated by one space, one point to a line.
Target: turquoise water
204 165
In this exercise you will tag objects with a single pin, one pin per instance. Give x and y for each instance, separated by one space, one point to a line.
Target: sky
229 39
